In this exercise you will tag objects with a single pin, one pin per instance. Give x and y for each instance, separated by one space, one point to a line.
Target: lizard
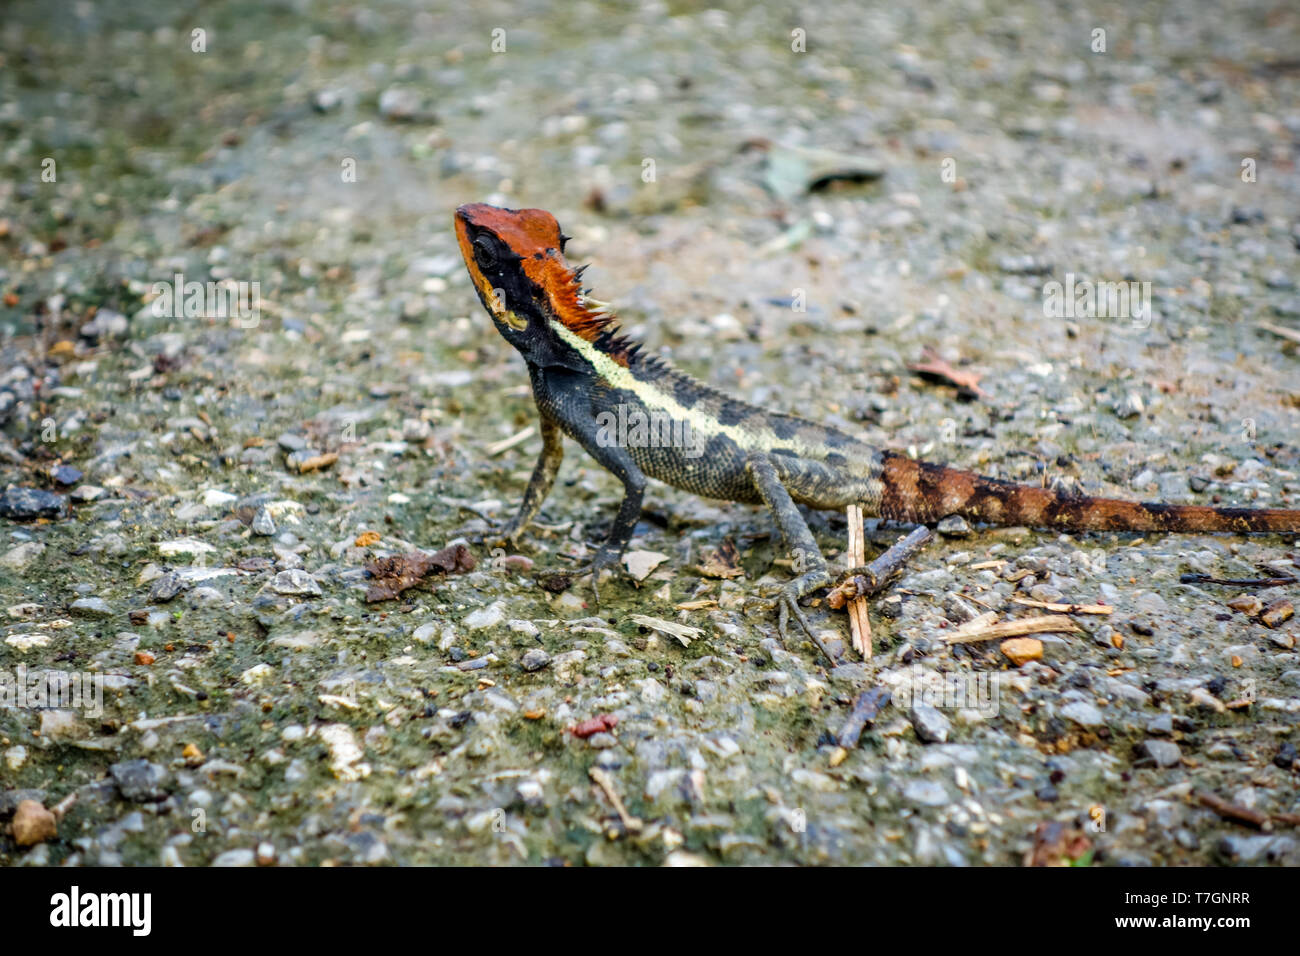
583 370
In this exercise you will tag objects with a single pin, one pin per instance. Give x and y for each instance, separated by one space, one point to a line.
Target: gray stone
400 103
140 780
326 101
204 595
1240 848
240 857
1083 714
66 474
263 523
20 556
28 504
1165 753
166 588
535 660
930 725
1130 406
485 617
1023 265
295 582
954 526
926 793
1162 724
90 607
1173 486
106 324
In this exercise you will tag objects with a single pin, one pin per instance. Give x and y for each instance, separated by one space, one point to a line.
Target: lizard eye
484 254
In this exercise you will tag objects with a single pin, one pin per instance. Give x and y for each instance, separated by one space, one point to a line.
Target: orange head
516 259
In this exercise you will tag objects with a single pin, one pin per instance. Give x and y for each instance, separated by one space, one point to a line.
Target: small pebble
33 824
263 524
28 504
535 660
295 582
91 607
954 526
1165 753
930 725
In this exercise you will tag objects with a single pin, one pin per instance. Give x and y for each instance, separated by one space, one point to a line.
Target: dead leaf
639 564
1057 844
683 632
933 368
721 562
395 573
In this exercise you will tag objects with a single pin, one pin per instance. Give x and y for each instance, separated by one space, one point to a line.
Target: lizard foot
604 559
785 601
860 581
504 536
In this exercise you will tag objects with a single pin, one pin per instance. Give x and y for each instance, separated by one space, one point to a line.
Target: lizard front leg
539 485
799 540
618 462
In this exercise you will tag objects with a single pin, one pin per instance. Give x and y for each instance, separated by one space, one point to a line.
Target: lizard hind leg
539 485
809 564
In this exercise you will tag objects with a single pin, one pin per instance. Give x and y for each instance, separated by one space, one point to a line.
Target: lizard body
586 375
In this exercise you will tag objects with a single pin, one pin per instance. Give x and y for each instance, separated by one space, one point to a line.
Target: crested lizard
586 376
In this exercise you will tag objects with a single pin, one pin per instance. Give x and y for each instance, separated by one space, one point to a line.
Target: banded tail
922 492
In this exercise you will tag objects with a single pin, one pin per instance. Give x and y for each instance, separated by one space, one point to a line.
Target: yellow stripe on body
656 399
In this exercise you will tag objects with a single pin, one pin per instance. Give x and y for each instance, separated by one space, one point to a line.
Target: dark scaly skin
582 368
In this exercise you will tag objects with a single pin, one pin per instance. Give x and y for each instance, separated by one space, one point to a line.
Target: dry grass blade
506 444
603 780
1280 330
683 632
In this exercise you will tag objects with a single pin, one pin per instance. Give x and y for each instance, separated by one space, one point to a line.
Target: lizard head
516 259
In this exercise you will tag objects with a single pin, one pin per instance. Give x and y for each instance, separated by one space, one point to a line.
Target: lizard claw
504 536
603 560
785 601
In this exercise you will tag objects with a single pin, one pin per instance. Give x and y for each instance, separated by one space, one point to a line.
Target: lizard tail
925 493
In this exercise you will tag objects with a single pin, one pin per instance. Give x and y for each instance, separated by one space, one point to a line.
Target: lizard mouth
492 297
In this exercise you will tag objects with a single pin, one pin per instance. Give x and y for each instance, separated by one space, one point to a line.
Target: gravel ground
193 499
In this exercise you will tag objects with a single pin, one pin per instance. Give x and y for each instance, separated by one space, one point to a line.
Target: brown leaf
1057 844
395 573
721 562
933 368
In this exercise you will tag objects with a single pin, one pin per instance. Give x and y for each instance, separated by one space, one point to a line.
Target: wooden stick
865 710
602 779
1066 608
879 571
1233 811
1237 583
983 631
859 622
506 444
